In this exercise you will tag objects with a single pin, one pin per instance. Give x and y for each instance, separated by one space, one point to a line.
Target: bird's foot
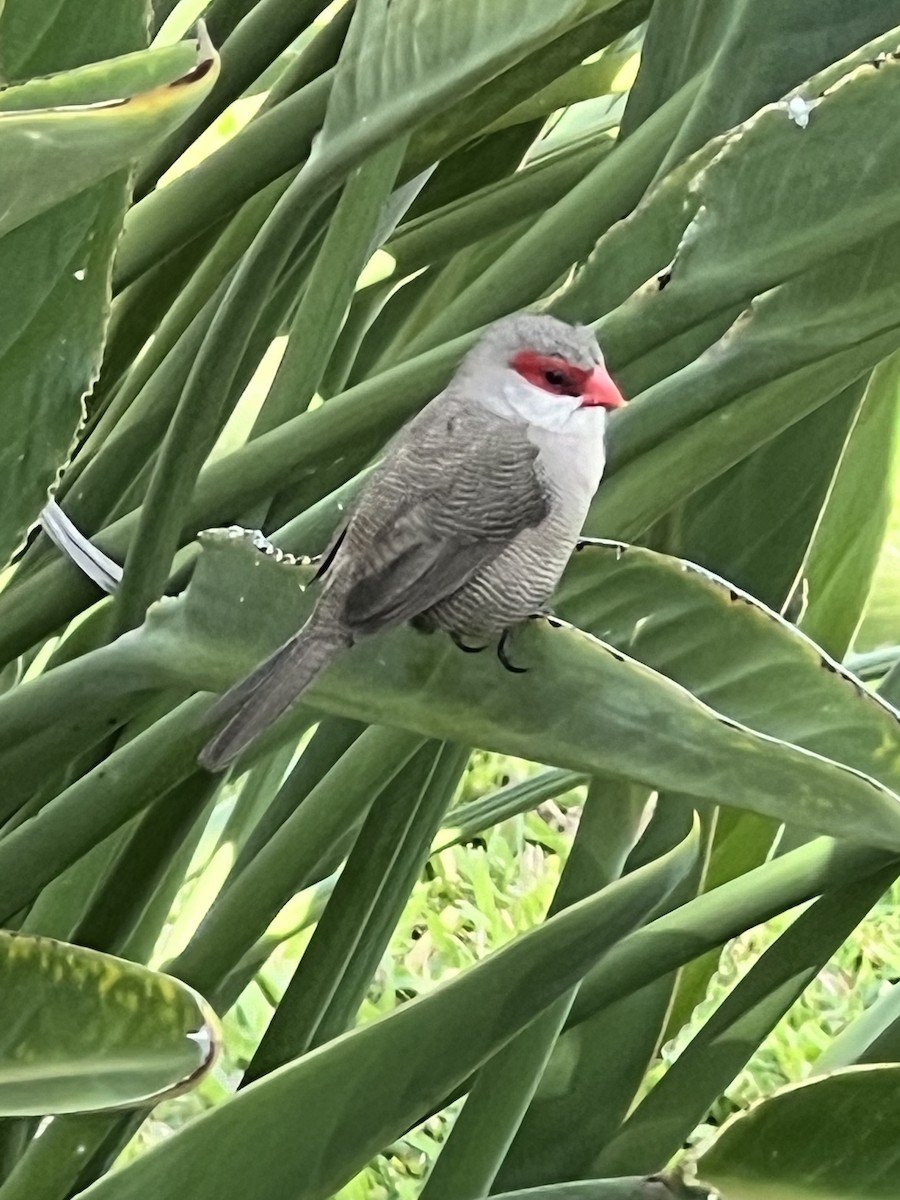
501 654
457 641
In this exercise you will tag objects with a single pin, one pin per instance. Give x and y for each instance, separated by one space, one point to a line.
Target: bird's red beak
601 392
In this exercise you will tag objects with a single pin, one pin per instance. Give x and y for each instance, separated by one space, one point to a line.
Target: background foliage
621 928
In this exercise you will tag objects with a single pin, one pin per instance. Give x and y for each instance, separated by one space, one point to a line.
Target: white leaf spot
799 110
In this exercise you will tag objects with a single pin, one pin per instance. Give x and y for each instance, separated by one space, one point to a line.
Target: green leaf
827 1139
657 1128
61 134
337 967
657 1188
753 525
871 1038
466 821
51 339
331 739
35 42
307 847
82 1031
56 255
409 57
401 63
501 1095
732 249
789 43
443 231
473 697
453 129
562 234
669 941
270 147
97 804
349 241
623 718
844 554
597 1067
741 841
434 59
729 650
394 1084
678 44
256 42
584 82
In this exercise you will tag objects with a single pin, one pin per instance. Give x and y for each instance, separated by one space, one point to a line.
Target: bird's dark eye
555 378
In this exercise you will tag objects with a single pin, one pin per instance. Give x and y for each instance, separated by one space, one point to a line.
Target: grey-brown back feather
456 487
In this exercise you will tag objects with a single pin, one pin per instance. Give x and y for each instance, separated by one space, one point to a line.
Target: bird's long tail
254 703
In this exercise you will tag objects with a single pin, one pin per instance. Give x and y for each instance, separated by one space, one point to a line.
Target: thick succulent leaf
597 1068
307 848
833 331
839 193
871 1038
410 55
583 704
82 1031
38 850
495 1117
735 398
678 45
838 571
82 127
708 920
635 1188
545 250
65 35
584 82
753 525
741 841
644 605
458 125
441 232
661 1123
394 1083
55 273
60 229
468 820
829 1139
330 983
790 43
402 63
730 651
778 363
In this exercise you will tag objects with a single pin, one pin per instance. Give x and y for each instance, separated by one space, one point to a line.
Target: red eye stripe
551 372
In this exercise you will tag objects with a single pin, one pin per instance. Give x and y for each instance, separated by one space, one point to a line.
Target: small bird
467 523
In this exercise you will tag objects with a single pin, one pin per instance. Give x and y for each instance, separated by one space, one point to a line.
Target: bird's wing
450 497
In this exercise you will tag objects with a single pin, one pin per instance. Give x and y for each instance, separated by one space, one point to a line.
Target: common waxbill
467 523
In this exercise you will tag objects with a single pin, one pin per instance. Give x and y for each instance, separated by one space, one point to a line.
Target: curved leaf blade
394 1085
64 142
732 652
828 1139
82 1031
583 703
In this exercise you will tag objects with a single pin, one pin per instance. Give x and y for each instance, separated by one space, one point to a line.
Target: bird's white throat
518 400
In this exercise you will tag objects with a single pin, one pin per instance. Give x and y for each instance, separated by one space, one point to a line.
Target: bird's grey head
537 369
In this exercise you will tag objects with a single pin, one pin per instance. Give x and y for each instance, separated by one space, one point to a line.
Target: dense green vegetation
455 933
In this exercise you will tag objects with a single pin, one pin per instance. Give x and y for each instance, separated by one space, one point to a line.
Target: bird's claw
457 641
501 654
